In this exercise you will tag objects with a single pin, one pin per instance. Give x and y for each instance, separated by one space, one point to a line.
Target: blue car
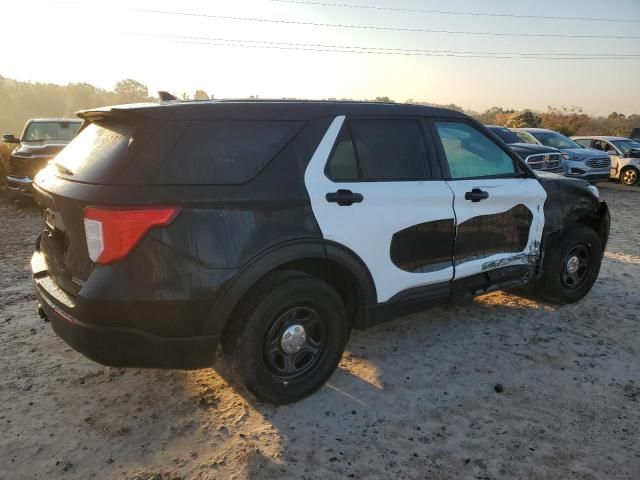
580 162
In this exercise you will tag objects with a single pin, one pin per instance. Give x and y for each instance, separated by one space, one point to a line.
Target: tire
254 343
557 283
629 176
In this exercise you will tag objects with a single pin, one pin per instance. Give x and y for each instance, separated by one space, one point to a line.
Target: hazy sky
102 42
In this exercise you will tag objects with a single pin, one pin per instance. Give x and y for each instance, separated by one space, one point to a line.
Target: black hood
40 148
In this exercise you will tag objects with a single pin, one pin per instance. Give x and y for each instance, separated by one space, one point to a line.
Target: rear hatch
72 181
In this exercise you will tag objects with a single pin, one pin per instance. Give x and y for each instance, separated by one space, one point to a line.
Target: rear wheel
571 266
287 337
629 176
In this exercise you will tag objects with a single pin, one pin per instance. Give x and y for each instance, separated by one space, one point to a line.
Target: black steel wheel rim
574 272
292 366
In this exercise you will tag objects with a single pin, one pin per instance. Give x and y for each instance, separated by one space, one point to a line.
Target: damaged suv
267 230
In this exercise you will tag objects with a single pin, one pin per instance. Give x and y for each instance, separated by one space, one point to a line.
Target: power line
375 27
368 49
452 12
263 44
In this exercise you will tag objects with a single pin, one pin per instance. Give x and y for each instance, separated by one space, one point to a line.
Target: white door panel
387 208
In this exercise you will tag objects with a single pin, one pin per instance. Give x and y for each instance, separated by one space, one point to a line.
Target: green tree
132 91
524 119
200 95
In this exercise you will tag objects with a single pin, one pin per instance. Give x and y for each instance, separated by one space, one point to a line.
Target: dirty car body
172 228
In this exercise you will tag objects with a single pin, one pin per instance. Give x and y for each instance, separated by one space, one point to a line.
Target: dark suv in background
538 157
268 230
41 140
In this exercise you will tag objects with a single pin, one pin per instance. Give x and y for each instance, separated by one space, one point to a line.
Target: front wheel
629 176
287 337
571 266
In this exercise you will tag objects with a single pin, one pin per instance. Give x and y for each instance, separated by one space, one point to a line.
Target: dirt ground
414 398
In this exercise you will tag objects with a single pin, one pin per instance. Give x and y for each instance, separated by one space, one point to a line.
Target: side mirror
612 152
9 138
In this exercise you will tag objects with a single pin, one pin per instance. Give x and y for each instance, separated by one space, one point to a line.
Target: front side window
602 145
379 149
470 153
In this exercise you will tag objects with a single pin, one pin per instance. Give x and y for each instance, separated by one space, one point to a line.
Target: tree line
20 101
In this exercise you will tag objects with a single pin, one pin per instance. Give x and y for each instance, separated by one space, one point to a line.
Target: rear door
499 213
377 190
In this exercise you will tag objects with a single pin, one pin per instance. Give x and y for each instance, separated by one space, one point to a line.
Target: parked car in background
538 157
624 154
586 163
635 134
41 140
267 230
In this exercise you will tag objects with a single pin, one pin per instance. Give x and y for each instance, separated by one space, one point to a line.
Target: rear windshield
95 151
224 151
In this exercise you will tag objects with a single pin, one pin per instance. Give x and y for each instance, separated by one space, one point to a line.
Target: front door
376 189
499 212
612 151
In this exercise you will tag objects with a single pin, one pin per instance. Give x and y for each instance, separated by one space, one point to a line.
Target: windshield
556 140
625 146
41 131
506 135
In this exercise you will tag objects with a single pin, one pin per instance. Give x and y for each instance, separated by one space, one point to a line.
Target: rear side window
94 154
379 149
470 153
224 152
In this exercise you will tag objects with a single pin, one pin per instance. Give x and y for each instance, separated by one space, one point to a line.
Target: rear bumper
19 187
121 347
73 319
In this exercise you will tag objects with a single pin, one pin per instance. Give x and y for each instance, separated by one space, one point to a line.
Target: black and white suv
272 229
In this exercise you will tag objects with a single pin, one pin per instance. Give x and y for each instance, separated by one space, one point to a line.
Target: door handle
344 198
475 195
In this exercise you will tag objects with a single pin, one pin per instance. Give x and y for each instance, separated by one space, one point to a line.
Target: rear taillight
113 232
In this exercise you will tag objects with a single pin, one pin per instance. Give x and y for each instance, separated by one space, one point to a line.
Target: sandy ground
414 398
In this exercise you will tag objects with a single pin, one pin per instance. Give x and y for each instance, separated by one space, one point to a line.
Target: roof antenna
166 96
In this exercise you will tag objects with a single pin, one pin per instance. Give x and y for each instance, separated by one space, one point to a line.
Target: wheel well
341 279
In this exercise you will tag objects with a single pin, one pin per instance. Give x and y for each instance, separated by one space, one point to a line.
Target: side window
585 142
343 164
220 152
379 149
470 153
